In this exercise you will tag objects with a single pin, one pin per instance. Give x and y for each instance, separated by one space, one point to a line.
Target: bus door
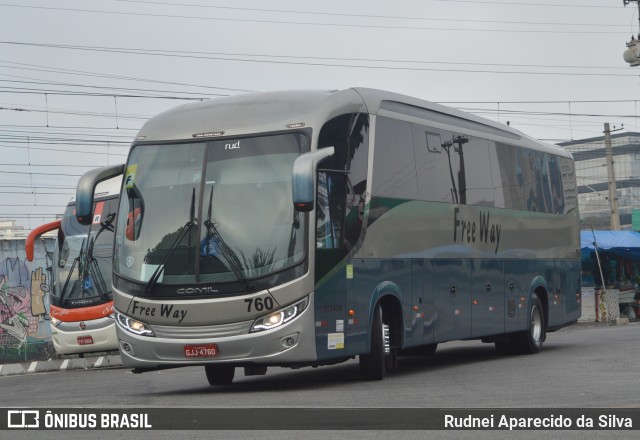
572 293
330 266
518 282
487 301
452 299
419 315
341 187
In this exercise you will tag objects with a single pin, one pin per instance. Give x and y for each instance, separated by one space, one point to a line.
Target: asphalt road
579 367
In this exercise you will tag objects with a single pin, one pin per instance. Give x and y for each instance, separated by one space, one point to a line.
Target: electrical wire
48 69
511 3
298 23
342 14
213 56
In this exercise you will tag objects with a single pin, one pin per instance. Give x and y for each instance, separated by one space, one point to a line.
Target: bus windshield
211 212
83 258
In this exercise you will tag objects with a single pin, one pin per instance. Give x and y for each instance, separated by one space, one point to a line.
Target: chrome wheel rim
536 324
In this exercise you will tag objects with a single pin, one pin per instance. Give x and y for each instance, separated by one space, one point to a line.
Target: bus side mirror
86 188
304 178
37 232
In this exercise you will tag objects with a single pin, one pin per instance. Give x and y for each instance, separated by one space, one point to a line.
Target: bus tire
220 374
531 339
373 365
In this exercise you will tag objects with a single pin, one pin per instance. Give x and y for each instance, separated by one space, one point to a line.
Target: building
592 179
11 230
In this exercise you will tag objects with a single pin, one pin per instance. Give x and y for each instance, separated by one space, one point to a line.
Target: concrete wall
25 334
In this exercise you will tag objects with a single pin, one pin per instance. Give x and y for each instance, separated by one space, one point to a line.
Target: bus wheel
219 374
531 339
373 365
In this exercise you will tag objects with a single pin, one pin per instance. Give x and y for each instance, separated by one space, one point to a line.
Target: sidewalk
105 360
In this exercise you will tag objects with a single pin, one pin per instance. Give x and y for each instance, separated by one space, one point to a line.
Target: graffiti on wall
23 303
24 300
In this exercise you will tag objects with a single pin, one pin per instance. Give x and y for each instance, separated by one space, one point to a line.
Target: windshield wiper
176 243
76 261
229 255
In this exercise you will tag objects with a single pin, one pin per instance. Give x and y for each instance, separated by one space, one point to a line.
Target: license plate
201 350
85 340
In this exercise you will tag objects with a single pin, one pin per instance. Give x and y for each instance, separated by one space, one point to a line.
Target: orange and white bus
81 300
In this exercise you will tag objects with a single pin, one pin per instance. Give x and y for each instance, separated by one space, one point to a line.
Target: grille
202 331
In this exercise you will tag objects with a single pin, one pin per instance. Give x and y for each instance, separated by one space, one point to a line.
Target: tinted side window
394 167
537 190
555 180
335 133
342 184
568 176
437 169
453 168
349 135
531 180
509 176
475 175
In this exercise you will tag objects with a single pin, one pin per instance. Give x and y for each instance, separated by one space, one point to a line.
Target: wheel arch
539 287
389 296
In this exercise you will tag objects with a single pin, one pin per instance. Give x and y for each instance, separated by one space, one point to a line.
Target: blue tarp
624 243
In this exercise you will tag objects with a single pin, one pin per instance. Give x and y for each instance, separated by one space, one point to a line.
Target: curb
86 363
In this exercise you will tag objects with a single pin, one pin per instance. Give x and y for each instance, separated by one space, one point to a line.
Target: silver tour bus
305 228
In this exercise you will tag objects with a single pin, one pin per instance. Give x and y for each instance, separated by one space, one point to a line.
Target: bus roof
263 112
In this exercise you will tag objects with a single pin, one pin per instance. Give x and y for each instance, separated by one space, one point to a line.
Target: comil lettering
476 231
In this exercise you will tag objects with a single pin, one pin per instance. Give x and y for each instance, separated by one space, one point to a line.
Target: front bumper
66 336
291 343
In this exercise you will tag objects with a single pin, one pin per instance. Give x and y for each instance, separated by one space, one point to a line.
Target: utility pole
626 2
611 176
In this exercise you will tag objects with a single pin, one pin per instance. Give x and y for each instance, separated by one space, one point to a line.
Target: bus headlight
54 321
280 317
133 325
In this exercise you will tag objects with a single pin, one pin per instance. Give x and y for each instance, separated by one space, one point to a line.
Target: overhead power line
75 113
119 89
28 91
298 61
551 5
342 14
166 52
305 23
40 173
49 69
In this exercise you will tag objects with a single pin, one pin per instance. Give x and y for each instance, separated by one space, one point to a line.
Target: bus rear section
81 307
